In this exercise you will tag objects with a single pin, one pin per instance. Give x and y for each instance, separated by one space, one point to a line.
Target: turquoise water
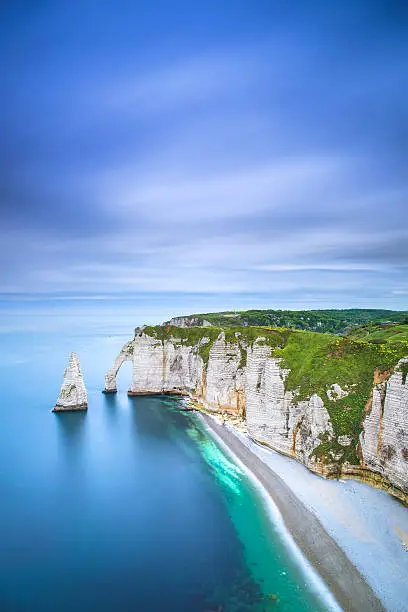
130 506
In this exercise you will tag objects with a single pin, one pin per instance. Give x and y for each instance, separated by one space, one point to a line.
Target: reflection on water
71 428
111 407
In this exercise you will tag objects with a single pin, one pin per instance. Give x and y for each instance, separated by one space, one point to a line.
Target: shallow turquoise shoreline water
282 581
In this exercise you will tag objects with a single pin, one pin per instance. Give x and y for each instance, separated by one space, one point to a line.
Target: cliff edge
337 404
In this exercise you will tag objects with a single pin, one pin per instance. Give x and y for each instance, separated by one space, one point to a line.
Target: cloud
316 268
244 191
266 161
200 79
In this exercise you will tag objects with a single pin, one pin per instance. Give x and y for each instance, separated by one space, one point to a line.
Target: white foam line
311 575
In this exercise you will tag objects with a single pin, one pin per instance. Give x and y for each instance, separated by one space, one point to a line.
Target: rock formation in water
314 397
73 394
384 439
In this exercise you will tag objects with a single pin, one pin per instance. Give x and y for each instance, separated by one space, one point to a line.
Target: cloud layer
242 151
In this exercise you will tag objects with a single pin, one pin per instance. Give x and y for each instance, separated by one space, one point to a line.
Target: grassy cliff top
381 333
204 337
306 353
332 321
315 361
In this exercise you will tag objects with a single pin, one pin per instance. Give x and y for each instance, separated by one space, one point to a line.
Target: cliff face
275 418
384 439
73 394
189 321
246 376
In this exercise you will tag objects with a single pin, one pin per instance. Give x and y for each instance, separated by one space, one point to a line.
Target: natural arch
126 354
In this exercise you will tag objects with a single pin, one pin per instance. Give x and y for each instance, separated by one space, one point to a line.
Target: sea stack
73 394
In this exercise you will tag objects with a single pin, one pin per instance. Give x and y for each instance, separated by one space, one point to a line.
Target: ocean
131 506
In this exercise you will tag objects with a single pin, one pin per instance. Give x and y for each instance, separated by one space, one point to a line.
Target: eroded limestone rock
384 439
126 354
73 394
344 440
336 392
249 382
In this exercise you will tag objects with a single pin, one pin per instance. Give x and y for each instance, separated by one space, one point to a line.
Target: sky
239 153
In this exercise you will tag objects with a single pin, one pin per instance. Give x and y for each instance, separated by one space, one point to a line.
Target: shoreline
321 552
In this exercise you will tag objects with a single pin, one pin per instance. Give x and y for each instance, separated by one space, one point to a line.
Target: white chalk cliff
73 394
249 382
384 439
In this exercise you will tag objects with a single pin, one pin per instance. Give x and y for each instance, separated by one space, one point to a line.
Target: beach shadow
158 426
147 418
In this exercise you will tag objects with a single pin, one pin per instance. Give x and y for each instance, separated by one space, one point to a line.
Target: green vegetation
203 337
246 336
367 354
403 368
380 333
316 361
332 321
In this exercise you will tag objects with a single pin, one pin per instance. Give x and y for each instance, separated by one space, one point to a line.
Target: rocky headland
337 404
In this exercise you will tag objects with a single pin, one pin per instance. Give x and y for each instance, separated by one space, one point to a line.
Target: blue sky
252 152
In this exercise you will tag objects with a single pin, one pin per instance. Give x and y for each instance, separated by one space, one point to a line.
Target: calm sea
130 506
